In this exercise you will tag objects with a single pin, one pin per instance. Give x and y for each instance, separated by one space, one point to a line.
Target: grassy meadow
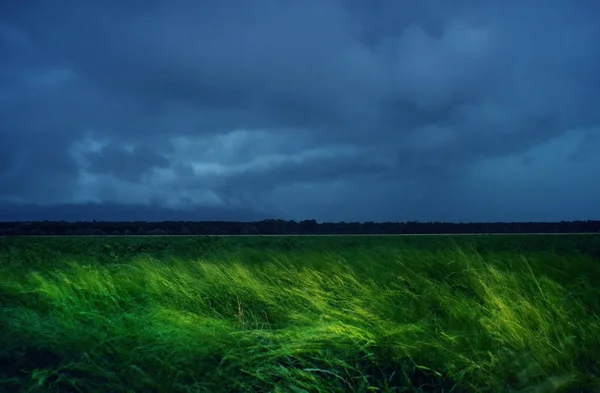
300 314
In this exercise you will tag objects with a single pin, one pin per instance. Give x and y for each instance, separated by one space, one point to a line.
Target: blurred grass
332 314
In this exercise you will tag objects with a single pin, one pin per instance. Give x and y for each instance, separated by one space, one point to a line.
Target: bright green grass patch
307 317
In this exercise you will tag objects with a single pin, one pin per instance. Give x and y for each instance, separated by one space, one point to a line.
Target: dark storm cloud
129 164
367 109
586 150
121 212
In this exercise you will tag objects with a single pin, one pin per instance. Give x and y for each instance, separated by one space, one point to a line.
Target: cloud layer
327 109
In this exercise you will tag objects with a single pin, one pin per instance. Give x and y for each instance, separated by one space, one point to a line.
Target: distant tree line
282 227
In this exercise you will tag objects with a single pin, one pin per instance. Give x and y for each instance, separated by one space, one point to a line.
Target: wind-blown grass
377 319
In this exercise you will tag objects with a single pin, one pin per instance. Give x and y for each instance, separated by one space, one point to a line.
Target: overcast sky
351 110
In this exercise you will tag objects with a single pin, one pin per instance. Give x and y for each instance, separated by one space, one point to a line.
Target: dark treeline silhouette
282 227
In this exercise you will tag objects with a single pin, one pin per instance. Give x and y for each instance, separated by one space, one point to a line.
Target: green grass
334 314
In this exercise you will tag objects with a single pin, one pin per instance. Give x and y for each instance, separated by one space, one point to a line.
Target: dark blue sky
349 110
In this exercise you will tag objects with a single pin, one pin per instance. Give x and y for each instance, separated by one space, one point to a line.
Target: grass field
300 314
